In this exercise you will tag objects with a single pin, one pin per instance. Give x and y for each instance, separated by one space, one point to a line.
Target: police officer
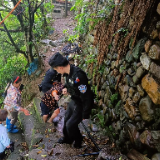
79 108
51 76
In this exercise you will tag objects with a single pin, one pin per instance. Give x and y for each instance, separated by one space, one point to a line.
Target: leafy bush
13 66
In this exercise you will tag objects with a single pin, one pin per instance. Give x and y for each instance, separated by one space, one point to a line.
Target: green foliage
101 119
114 98
21 27
12 66
110 132
123 30
90 58
39 19
110 128
101 69
106 11
110 46
118 104
94 89
78 4
13 62
120 158
86 14
71 38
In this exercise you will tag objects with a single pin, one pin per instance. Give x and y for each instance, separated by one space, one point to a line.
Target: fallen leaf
43 146
24 144
57 154
54 145
50 153
47 136
39 152
35 145
43 156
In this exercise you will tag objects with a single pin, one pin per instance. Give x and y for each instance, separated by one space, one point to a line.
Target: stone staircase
38 140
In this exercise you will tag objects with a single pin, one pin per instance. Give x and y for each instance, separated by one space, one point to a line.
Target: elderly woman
12 103
49 104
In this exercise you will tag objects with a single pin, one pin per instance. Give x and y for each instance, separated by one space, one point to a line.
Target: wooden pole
66 4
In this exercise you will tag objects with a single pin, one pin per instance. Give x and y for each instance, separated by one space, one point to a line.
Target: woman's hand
56 97
8 146
26 112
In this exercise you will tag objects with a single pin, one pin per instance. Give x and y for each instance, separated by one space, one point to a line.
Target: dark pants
2 155
73 117
44 109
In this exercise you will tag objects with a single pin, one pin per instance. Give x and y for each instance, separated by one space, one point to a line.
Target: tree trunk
66 4
44 19
31 21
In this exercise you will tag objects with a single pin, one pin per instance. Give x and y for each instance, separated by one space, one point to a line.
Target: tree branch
38 6
11 39
7 42
5 10
19 17
13 31
6 7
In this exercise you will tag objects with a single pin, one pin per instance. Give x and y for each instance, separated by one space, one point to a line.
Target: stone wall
127 83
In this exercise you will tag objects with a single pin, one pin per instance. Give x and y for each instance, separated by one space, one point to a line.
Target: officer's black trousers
73 117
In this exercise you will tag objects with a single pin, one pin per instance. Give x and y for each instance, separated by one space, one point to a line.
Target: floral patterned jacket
48 99
13 99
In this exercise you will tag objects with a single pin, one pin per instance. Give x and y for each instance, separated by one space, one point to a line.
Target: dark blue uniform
50 77
80 106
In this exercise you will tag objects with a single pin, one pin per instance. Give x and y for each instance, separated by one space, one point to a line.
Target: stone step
44 143
32 127
37 108
42 138
19 143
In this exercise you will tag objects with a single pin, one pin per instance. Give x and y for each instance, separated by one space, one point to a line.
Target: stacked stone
129 92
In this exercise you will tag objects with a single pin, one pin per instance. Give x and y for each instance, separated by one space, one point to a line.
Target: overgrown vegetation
20 34
87 17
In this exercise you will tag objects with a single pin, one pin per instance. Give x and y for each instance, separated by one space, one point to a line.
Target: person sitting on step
62 103
49 104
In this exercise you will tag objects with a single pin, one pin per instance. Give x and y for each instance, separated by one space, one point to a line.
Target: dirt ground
31 82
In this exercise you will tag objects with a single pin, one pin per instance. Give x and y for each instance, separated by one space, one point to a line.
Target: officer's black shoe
78 143
64 140
55 123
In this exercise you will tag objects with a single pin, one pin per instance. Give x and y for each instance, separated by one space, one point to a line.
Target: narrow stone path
60 25
38 140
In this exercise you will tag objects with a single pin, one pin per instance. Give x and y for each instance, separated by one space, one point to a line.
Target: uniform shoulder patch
77 80
82 88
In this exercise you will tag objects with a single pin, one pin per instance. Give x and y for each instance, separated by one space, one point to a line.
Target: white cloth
4 139
60 119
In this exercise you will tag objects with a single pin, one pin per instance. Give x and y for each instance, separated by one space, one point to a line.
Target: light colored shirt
4 139
13 99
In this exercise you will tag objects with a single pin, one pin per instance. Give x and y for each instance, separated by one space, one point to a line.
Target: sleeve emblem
77 80
82 88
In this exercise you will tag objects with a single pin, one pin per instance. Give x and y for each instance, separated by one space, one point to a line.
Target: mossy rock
37 108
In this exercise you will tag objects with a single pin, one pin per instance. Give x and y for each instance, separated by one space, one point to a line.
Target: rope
10 12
